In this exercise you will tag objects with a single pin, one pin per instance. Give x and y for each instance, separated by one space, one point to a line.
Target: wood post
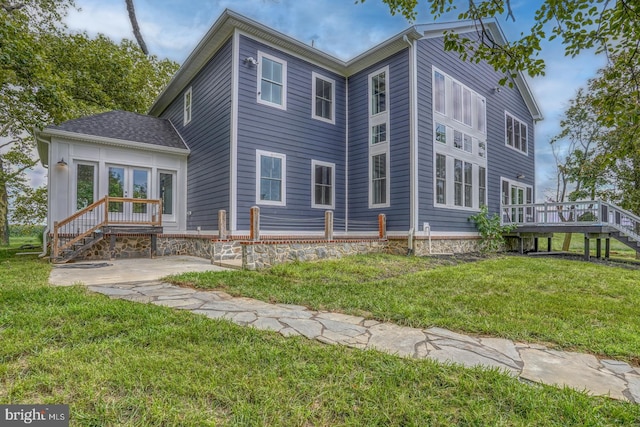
382 226
587 249
607 247
328 225
254 227
54 244
222 224
598 248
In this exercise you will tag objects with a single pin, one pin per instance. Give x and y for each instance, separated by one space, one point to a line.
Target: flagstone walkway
529 362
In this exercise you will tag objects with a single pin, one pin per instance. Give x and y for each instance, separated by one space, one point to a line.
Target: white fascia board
42 145
114 142
382 51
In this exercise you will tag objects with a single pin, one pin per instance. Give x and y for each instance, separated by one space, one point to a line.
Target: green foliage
491 230
124 363
526 299
48 75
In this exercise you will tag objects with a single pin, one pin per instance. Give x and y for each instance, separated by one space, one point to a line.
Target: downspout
413 133
45 237
45 233
346 159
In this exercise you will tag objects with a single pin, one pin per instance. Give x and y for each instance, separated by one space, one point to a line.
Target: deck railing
582 213
104 212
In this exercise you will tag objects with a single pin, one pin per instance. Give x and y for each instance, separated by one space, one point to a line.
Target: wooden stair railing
104 212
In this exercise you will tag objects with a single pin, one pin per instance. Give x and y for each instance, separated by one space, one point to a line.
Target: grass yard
617 249
566 304
123 363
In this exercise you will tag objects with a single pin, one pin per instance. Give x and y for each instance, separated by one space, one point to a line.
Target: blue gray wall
399 108
292 132
502 161
208 136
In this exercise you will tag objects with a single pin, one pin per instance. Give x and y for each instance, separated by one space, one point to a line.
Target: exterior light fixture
250 60
520 176
62 163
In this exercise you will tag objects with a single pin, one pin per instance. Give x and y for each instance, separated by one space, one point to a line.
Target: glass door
128 182
517 198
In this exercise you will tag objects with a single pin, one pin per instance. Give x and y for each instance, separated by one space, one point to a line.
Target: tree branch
136 27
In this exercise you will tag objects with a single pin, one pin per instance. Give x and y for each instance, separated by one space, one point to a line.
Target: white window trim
315 163
381 147
452 153
506 135
369 77
314 77
168 217
373 153
74 184
447 117
261 56
188 112
283 190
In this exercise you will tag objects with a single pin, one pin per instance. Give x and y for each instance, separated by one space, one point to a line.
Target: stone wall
259 255
439 245
203 247
138 246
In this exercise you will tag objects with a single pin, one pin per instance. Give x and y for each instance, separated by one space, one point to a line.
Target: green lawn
617 249
123 363
567 304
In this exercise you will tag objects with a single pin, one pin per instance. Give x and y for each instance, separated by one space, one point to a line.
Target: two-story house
256 118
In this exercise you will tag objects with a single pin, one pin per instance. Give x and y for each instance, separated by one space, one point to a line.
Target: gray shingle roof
126 126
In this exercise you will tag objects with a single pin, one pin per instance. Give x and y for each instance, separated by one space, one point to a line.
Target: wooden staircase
81 231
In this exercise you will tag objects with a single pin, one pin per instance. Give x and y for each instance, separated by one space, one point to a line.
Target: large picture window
270 176
460 144
272 81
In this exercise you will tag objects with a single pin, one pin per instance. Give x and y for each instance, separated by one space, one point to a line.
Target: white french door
128 182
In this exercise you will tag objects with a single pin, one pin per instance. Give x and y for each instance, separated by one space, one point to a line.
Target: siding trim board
233 146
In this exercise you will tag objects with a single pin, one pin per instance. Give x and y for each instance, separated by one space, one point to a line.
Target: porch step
77 248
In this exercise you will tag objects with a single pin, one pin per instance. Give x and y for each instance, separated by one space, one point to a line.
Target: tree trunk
136 27
4 211
567 242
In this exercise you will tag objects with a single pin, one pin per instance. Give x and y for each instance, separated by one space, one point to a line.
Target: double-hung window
379 138
323 90
459 141
516 133
323 179
272 81
271 182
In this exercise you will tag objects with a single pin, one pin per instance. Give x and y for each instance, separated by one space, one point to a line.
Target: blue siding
502 161
293 133
398 214
209 138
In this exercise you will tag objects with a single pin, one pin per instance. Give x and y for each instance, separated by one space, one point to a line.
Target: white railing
580 213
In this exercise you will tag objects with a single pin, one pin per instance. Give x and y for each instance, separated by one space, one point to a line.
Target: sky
342 28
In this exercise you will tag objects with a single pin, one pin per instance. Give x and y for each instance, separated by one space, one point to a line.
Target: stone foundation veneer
264 254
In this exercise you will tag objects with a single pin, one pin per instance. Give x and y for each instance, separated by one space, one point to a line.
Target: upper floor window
271 178
323 184
187 106
323 98
456 102
516 133
272 82
378 91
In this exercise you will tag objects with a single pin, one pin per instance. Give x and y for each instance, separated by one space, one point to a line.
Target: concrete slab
127 270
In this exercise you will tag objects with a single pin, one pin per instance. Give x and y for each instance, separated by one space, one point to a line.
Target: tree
49 76
136 28
608 27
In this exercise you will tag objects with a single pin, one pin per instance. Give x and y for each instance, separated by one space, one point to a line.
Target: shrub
491 230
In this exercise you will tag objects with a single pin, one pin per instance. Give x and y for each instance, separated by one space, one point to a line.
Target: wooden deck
596 220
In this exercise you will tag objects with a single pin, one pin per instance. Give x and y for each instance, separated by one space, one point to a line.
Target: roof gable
229 21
